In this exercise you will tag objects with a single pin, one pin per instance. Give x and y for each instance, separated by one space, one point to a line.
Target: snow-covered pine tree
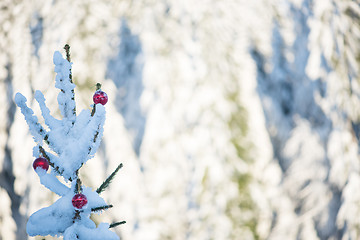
74 140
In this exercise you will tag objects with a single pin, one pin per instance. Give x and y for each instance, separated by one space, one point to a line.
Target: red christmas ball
79 201
100 97
42 163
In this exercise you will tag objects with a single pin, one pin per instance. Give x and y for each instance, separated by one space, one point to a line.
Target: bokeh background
234 119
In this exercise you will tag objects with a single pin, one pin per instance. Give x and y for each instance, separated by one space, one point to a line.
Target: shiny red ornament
100 97
79 201
42 163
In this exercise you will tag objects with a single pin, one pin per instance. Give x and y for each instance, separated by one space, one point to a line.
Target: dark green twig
56 168
101 208
67 50
93 110
106 183
78 187
115 224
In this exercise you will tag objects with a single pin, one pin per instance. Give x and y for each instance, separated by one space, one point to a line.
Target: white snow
50 121
35 128
102 232
62 82
51 182
52 220
58 218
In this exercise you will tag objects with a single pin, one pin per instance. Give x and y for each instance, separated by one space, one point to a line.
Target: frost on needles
66 145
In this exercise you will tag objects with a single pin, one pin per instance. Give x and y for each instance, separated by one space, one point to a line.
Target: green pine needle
106 183
115 224
101 208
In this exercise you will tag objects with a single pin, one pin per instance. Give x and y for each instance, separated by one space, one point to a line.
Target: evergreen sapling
69 144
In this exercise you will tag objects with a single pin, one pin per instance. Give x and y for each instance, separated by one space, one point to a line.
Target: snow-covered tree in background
308 82
242 114
74 140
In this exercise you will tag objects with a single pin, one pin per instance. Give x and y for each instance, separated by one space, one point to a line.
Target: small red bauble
42 163
100 97
79 201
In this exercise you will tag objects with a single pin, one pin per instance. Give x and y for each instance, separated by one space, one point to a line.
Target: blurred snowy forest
233 119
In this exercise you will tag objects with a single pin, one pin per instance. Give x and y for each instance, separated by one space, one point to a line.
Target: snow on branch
50 121
38 132
52 183
78 231
82 141
66 97
53 160
95 130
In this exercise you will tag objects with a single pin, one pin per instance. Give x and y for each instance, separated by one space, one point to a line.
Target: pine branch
56 168
101 208
93 110
78 187
115 224
106 183
67 50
